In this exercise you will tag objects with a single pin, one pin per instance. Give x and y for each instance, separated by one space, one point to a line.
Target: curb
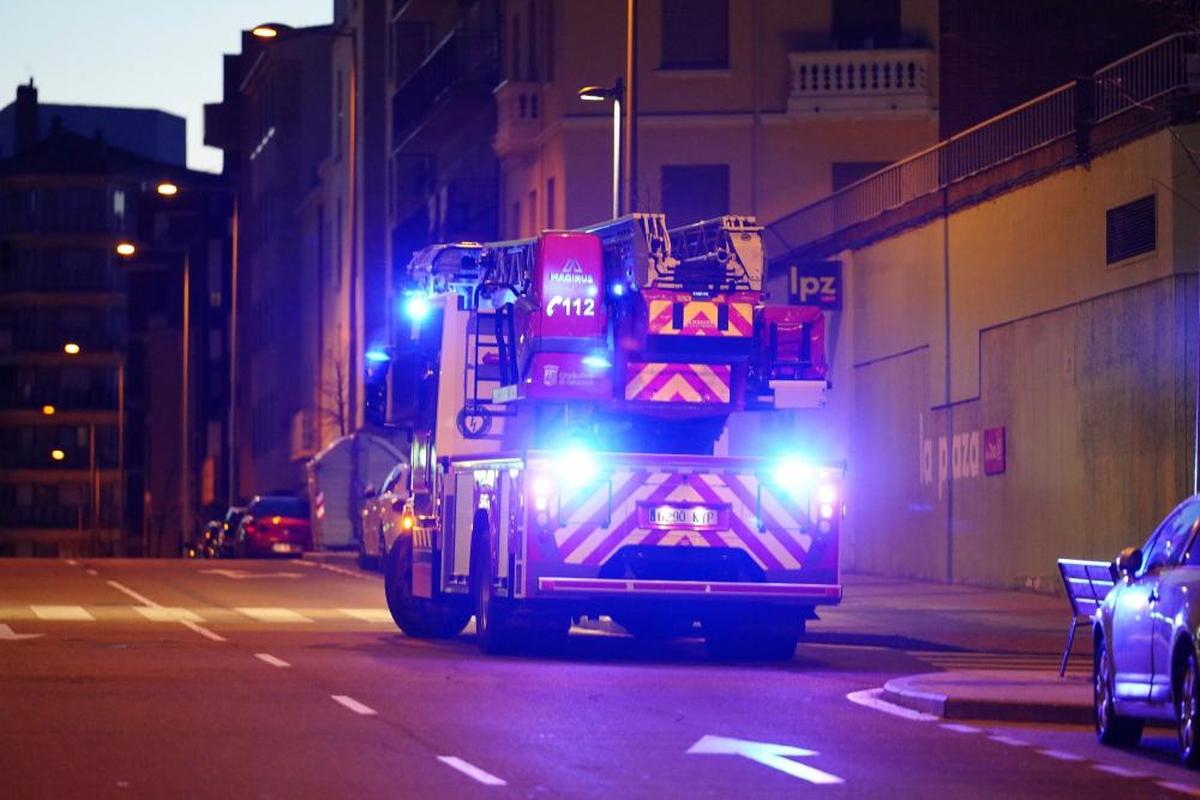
901 692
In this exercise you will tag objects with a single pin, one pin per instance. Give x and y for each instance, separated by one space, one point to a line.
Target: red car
274 526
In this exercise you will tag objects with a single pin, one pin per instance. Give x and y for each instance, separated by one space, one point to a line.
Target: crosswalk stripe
272 614
168 614
63 613
368 614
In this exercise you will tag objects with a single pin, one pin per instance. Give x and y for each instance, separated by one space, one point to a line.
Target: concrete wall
1089 368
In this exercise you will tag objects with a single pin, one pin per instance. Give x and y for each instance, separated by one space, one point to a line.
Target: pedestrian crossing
207 614
957 661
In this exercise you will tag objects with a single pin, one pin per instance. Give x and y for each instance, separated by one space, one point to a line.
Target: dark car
274 526
1146 634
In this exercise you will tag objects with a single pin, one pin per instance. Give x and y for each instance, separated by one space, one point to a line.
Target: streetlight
71 349
49 410
167 189
127 250
269 30
57 455
616 92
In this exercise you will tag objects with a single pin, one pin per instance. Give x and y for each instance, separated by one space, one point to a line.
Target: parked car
274 525
382 516
207 544
1145 663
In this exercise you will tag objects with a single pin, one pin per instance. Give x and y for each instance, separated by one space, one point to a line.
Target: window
515 222
550 220
1165 543
694 192
845 173
695 34
533 209
866 24
514 72
1130 230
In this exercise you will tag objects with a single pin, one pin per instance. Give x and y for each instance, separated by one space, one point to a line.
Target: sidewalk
962 623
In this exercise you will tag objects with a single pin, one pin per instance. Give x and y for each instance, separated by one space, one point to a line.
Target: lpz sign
815 283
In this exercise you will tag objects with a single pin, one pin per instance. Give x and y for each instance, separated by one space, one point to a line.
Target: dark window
532 65
845 173
550 219
1165 543
695 192
695 34
515 51
866 24
1130 229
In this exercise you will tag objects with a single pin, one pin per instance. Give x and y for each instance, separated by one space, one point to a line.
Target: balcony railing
518 117
1063 124
464 57
859 81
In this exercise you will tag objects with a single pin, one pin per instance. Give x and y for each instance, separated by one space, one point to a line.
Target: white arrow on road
241 574
7 635
775 756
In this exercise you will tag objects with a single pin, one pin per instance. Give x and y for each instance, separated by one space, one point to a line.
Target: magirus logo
572 272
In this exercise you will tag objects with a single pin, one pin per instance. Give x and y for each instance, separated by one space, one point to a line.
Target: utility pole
630 203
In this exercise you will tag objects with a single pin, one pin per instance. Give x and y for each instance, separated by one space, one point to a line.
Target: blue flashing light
597 361
793 474
618 289
377 356
577 467
416 307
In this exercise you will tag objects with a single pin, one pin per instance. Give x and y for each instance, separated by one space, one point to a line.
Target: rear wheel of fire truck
419 617
769 638
493 631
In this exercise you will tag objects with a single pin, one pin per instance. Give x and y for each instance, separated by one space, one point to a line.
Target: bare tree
333 405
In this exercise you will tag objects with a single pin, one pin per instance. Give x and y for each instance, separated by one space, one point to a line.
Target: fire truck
565 396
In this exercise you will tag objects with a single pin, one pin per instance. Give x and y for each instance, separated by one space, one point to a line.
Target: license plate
282 547
692 517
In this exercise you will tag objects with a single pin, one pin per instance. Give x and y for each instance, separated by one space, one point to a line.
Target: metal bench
1087 583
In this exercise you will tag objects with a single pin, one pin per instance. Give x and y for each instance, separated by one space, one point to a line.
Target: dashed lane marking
92 572
1120 772
871 698
1061 755
72 562
205 632
63 613
353 705
472 771
167 614
272 660
958 728
368 614
1182 788
120 587
273 614
1009 740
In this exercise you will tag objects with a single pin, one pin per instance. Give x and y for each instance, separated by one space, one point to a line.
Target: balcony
518 117
858 82
454 81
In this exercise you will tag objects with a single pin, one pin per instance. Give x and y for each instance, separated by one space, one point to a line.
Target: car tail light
407 522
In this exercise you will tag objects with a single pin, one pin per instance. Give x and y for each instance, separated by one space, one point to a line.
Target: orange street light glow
57 455
48 410
71 349
126 248
167 189
265 32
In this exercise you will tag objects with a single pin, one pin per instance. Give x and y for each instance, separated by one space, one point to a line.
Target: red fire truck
565 396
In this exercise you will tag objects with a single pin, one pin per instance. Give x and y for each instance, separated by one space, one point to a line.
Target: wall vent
1130 229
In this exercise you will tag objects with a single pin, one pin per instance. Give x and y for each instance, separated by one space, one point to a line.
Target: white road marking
168 614
72 562
1009 740
1120 772
353 705
272 660
140 598
870 698
1182 788
92 572
8 635
273 614
63 613
242 575
368 614
1061 755
957 728
205 632
472 771
775 756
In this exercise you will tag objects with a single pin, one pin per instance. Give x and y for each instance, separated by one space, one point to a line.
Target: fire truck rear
565 397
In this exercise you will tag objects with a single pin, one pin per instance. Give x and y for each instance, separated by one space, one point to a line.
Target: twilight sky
163 54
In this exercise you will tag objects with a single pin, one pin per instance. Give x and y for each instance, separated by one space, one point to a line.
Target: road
286 679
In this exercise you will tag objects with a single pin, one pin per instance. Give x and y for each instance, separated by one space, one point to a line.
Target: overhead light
264 32
71 349
126 248
167 189
57 455
49 410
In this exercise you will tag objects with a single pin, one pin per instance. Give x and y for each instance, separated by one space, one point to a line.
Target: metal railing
462 57
827 81
1137 81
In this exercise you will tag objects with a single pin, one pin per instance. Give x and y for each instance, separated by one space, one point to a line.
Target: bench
1087 583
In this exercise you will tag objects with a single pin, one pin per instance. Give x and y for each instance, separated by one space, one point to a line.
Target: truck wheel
493 631
761 640
419 617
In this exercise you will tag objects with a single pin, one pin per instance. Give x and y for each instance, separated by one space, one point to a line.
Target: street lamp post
615 93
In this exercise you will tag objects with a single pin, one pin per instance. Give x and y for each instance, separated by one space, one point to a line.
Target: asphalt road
287 680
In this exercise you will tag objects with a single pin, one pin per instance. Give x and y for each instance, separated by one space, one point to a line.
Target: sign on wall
993 451
815 283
